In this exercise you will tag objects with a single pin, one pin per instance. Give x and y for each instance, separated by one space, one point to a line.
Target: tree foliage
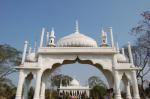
141 48
98 87
94 81
9 56
57 79
98 92
7 89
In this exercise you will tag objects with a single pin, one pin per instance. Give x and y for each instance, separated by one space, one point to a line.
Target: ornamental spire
103 38
52 38
77 27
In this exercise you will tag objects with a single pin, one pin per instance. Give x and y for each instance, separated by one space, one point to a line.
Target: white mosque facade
39 63
74 89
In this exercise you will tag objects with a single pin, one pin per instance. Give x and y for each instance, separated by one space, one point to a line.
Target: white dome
74 82
121 58
31 57
76 40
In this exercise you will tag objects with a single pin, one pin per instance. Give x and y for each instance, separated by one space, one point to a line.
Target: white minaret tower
52 38
111 36
47 39
42 37
24 52
117 47
103 39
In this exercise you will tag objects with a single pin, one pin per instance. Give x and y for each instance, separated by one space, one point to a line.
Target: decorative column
42 95
87 92
26 88
42 37
20 85
135 86
38 85
116 79
133 74
24 52
117 85
111 37
128 93
123 51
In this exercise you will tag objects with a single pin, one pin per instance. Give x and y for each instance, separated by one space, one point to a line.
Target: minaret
30 49
42 37
35 46
111 36
47 39
52 38
123 51
117 47
103 39
24 52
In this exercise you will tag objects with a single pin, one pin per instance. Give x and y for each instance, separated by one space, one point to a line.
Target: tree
98 92
64 79
9 56
94 80
55 81
98 88
141 49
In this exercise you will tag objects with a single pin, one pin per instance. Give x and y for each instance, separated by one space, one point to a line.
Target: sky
22 20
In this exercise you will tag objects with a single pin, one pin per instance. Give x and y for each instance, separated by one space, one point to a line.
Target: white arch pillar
135 86
117 85
20 85
38 85
128 93
116 79
26 88
42 95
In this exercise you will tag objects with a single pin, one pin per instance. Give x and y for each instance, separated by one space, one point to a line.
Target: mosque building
74 89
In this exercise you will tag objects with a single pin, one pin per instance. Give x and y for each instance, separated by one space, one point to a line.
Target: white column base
36 98
25 97
18 97
118 97
128 97
137 97
42 97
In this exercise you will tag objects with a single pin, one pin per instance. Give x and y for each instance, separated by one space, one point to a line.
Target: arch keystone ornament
76 47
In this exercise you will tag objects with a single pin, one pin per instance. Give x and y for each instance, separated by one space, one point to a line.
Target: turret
24 52
42 37
111 37
117 47
103 39
130 53
52 38
47 39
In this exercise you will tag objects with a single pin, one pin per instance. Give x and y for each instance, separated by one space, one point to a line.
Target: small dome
121 58
31 57
76 40
74 82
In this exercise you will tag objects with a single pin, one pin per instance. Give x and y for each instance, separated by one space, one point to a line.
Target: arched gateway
83 49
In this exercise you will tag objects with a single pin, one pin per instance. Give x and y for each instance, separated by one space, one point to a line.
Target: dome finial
77 27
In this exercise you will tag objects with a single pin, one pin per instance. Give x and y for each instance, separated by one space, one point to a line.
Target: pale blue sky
23 19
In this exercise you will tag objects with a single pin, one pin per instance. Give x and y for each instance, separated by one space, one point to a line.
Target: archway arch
47 71
107 73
